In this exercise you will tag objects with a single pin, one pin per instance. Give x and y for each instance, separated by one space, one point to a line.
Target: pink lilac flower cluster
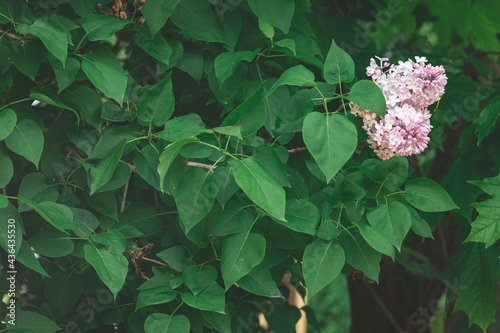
409 88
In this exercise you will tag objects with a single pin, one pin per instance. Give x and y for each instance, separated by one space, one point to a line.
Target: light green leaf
169 154
419 225
157 104
176 257
211 299
331 140
250 115
85 220
181 127
4 201
65 75
102 172
232 219
321 264
51 98
8 120
26 257
157 12
277 12
26 140
269 159
260 282
100 27
367 95
60 216
111 270
260 187
295 76
225 63
240 253
339 66
163 323
266 28
428 196
113 240
51 33
195 196
107 79
287 43
391 173
392 220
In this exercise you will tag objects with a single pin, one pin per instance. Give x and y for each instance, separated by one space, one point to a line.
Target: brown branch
203 166
156 262
4 191
9 35
297 150
124 198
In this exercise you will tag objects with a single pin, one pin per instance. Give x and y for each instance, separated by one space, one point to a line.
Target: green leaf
157 295
250 115
195 19
268 158
359 254
181 127
10 213
65 74
278 12
113 240
221 322
157 47
266 28
367 95
339 66
28 57
195 196
192 62
157 12
26 140
376 240
240 253
486 228
231 220
301 216
211 299
6 167
86 222
321 264
331 140
89 103
63 291
51 33
28 321
4 201
102 172
100 27
295 76
176 257
157 104
26 257
107 79
287 43
487 119
51 242
477 269
225 63
419 225
51 98
428 196
142 217
163 323
260 187
169 154
260 282
391 173
392 220
198 278
229 131
8 120
111 270
59 216
228 186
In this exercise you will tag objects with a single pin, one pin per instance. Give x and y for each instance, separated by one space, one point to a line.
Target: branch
124 198
9 35
203 166
297 150
156 262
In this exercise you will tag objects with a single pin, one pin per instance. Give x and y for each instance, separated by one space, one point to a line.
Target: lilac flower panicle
409 88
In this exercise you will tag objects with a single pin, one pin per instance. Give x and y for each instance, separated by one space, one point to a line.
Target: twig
384 308
131 166
340 108
297 150
124 198
200 165
156 262
4 191
59 115
9 35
